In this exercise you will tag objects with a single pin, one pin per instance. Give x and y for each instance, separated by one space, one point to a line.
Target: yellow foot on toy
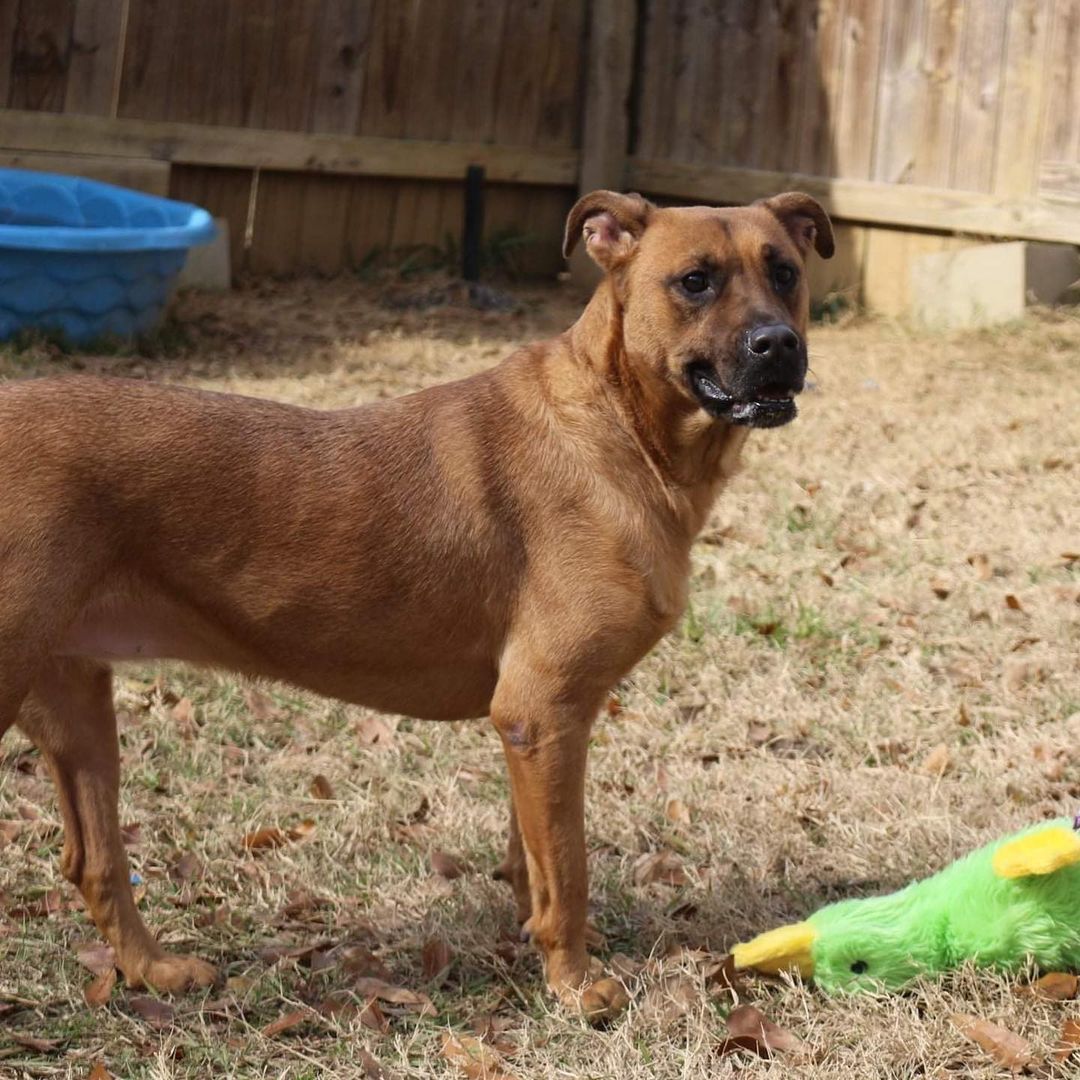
1040 852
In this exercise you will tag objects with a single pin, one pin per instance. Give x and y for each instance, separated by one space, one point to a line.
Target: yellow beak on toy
788 948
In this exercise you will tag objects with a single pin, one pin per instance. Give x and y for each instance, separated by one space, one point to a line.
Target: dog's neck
690 453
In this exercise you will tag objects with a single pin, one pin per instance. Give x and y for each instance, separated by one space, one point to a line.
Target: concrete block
208 266
989 283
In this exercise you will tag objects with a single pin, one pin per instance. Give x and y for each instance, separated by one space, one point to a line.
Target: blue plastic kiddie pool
86 260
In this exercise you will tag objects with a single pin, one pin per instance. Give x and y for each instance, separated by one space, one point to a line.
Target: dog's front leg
545 743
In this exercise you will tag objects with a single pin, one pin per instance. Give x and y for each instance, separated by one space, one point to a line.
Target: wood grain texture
780 76
142 174
482 24
820 88
292 65
979 96
243 81
1061 135
224 192
341 55
855 108
937 209
200 144
938 109
902 85
41 54
1019 132
149 50
95 54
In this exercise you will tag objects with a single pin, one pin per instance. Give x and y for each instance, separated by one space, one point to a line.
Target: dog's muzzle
770 371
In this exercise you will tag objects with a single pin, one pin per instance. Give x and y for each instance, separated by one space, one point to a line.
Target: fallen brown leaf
938 762
1004 1046
321 788
372 1069
474 1058
31 1042
373 730
747 1022
273 837
99 1072
96 957
981 565
1069 1042
183 714
722 975
9 831
394 995
1055 986
285 1022
260 705
1013 603
187 868
436 958
668 1001
154 1012
97 992
660 867
446 866
677 811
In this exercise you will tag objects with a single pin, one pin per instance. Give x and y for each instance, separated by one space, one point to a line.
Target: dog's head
714 301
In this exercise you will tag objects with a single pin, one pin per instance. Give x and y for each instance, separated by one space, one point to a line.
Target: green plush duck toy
1015 900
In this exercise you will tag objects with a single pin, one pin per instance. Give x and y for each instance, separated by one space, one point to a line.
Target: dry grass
792 715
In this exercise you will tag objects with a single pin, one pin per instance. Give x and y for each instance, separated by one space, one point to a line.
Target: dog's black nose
775 342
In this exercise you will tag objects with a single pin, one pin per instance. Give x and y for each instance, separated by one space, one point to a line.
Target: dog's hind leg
69 716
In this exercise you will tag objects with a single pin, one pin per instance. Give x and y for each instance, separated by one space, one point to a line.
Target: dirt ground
879 670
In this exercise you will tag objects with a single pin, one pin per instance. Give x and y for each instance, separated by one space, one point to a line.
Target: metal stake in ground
474 223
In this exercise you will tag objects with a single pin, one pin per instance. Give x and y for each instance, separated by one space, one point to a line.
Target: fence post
605 129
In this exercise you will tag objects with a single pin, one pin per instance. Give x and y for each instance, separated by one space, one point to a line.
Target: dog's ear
611 223
804 219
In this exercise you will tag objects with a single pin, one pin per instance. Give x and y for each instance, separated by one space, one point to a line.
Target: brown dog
507 545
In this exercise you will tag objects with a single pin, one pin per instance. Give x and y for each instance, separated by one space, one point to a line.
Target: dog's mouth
772 408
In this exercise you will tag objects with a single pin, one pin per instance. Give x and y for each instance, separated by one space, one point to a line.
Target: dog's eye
697 281
784 276
859 967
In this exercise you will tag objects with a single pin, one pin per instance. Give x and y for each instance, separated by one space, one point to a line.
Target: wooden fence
324 129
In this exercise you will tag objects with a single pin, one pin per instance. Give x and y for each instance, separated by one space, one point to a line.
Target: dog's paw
604 1000
172 974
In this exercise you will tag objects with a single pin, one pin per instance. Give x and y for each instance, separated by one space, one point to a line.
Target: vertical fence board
9 11
95 53
429 102
41 53
1019 128
148 56
562 79
369 219
389 70
1061 138
275 240
978 105
482 23
517 98
224 192
939 110
243 81
341 58
198 58
656 80
292 68
900 92
860 64
824 29
782 73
